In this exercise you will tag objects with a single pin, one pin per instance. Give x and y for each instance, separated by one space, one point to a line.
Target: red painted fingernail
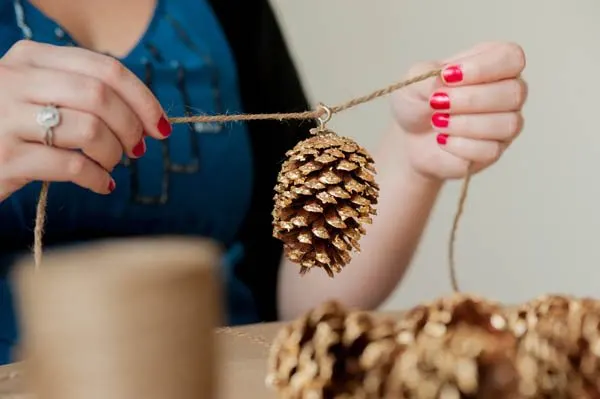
452 74
440 120
442 138
111 185
140 148
164 127
439 100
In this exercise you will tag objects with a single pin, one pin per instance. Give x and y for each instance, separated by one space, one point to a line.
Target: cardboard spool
121 320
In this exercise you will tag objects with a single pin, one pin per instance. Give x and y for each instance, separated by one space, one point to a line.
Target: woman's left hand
469 115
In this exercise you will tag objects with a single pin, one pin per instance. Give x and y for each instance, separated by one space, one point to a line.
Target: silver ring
48 118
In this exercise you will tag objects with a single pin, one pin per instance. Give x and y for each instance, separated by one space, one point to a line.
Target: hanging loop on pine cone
324 117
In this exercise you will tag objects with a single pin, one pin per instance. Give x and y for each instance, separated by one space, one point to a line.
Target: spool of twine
121 320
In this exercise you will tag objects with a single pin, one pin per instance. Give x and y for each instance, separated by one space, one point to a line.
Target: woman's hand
105 112
470 116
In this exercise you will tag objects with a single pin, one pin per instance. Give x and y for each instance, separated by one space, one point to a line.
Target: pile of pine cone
460 346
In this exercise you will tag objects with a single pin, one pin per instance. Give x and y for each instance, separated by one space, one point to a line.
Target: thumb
411 104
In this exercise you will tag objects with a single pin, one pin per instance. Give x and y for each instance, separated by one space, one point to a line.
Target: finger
502 96
503 126
106 69
84 94
502 61
44 163
411 104
474 50
77 131
424 88
483 152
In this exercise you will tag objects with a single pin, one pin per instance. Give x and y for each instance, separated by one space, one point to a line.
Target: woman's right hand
105 110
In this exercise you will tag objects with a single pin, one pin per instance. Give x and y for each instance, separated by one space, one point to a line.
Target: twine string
244 117
320 114
254 338
40 223
315 114
454 230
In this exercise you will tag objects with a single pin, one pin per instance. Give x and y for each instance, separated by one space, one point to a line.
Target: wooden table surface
242 370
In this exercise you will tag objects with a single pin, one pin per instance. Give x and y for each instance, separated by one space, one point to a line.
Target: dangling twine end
452 241
40 222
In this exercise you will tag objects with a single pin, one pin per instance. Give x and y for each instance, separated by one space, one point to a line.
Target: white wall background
532 221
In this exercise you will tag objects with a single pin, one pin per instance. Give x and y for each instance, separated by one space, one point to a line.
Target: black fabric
269 82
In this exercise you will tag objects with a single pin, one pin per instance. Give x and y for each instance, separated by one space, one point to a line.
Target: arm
270 83
442 127
405 203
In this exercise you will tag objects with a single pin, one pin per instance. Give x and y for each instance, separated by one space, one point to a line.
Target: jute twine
312 114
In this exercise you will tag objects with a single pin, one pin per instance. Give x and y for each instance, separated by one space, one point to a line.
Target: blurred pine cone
559 347
331 353
455 347
459 346
325 193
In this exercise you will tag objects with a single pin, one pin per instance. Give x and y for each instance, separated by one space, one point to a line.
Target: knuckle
22 47
91 129
6 153
520 93
468 99
76 165
97 93
478 72
112 70
515 123
495 152
8 74
516 54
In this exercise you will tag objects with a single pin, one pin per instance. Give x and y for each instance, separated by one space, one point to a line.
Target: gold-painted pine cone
455 347
559 346
331 353
325 194
459 346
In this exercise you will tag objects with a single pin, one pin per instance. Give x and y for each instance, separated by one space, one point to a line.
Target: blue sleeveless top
197 182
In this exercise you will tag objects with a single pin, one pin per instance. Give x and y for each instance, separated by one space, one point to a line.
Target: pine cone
331 354
456 347
559 347
325 193
293 365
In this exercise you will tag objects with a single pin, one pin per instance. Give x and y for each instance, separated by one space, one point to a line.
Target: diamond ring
48 118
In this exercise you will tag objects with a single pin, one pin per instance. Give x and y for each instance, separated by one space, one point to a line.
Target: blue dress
198 182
